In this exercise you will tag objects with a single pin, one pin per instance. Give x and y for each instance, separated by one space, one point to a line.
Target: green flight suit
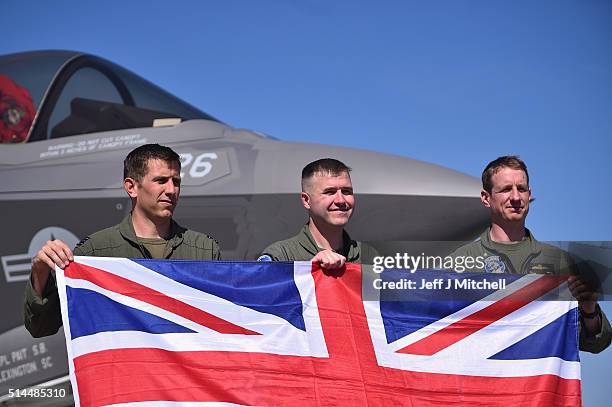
42 316
303 247
530 256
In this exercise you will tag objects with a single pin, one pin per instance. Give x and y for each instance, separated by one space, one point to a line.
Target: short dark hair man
153 182
508 246
327 195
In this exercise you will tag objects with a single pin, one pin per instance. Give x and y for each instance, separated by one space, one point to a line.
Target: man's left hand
582 291
587 302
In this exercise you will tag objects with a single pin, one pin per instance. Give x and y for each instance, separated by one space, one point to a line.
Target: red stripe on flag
350 376
140 292
130 375
467 326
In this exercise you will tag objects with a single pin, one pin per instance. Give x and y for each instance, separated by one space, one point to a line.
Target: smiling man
507 246
327 195
152 180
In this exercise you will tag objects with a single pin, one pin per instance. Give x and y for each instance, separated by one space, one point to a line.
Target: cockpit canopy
54 94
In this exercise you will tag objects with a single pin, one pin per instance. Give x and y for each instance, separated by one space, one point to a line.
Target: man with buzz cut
327 195
153 182
507 246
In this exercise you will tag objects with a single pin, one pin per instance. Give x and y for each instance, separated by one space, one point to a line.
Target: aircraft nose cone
377 173
402 199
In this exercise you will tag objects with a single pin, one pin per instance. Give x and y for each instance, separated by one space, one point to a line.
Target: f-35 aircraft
68 120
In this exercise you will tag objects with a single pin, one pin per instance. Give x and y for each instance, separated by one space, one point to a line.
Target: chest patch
494 264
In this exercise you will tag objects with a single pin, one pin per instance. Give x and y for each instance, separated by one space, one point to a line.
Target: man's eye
347 192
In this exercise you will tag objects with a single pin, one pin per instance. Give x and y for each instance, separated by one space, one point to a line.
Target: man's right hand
53 253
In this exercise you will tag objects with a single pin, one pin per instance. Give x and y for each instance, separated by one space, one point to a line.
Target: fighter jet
68 119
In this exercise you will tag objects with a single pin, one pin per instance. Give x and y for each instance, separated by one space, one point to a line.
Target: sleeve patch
264 257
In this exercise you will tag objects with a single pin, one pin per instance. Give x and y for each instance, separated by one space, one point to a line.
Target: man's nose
339 198
515 194
171 188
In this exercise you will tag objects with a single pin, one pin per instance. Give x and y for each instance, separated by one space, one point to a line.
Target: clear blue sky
456 83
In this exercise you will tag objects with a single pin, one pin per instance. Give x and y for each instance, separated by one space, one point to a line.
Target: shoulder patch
207 236
82 242
264 257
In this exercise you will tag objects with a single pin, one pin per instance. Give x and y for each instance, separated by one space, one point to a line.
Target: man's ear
305 200
130 186
485 198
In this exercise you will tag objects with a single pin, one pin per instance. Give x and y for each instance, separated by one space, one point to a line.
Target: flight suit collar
528 240
501 254
126 228
350 247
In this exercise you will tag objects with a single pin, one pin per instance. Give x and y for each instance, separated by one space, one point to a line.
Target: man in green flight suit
507 246
153 182
327 195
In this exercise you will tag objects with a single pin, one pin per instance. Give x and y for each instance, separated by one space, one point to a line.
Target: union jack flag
157 333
